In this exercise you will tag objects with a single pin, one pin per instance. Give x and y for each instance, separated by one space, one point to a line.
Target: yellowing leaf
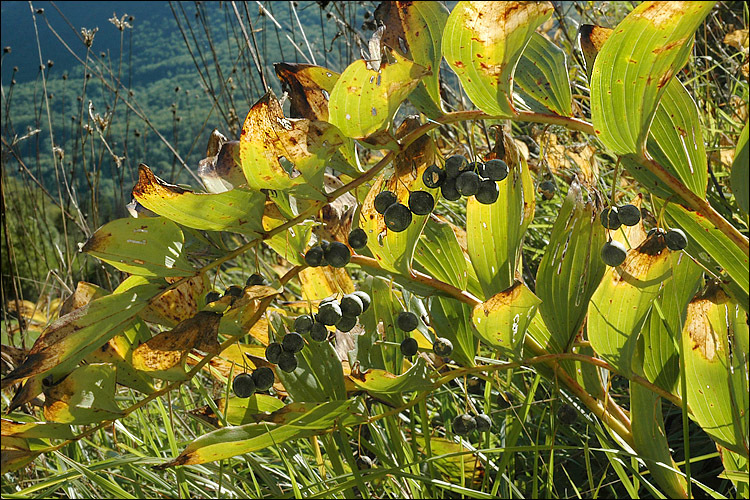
85 396
308 87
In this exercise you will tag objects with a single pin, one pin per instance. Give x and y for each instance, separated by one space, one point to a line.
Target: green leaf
233 441
364 101
620 306
237 210
71 338
150 246
635 65
571 268
440 255
451 319
717 378
502 320
394 250
319 375
483 42
740 179
86 396
542 73
383 310
285 153
416 29
289 244
661 358
381 382
494 233
239 411
712 248
736 470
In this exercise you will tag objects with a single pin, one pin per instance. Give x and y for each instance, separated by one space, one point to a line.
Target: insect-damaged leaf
621 304
482 43
162 356
85 396
308 87
495 232
71 338
634 66
394 250
233 441
571 268
416 30
146 246
238 210
542 73
364 101
285 153
717 376
502 320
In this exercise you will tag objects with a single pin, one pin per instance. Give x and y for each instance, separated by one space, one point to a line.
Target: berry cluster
236 290
334 254
408 322
245 385
398 216
465 424
343 315
613 253
464 178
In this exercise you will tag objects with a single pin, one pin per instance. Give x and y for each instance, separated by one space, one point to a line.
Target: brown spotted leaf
309 88
220 171
175 305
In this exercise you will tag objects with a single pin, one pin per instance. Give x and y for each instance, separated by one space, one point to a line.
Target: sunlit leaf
321 282
285 153
146 247
440 254
220 171
289 244
483 42
177 304
416 378
620 306
13 428
717 377
635 65
238 210
542 73
571 268
233 441
85 396
502 320
239 411
364 101
84 293
319 375
495 232
308 87
416 30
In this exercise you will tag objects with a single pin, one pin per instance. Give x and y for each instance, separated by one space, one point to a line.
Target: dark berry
613 253
409 347
273 351
455 165
338 254
364 298
630 215
358 238
421 202
303 323
656 230
329 313
384 200
449 191
487 193
315 256
494 170
484 422
256 279
243 385
287 361
567 415
351 306
318 332
548 189
442 347
467 184
676 239
263 378
609 218
433 176
212 297
464 424
292 342
407 321
397 217
346 323
234 291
